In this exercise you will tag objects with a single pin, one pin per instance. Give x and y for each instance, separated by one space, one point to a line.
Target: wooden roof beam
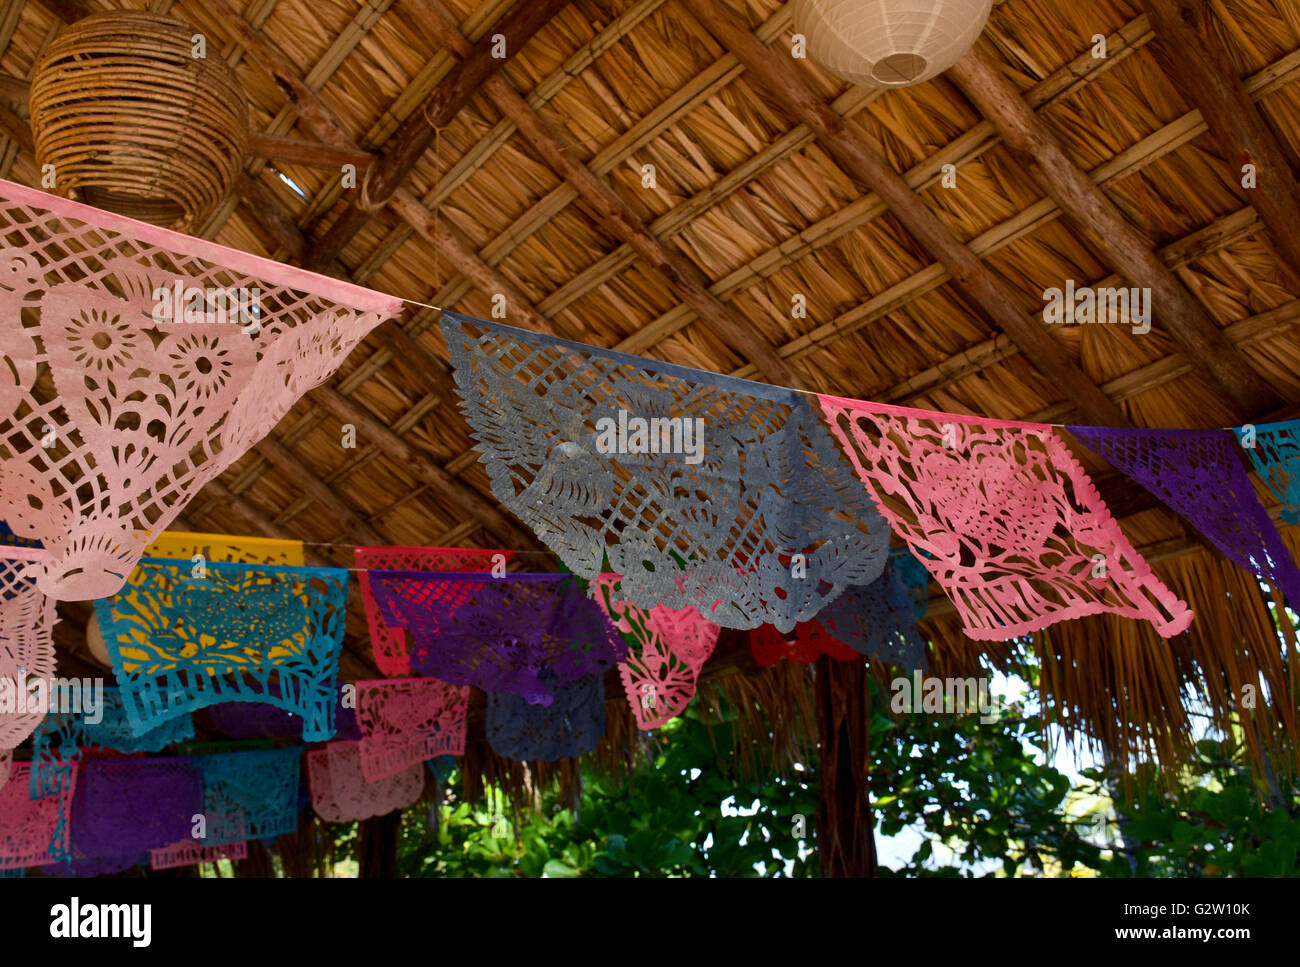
413 461
438 233
352 524
693 94
964 149
1072 75
1069 77
546 90
69 11
859 156
617 217
408 144
315 154
15 127
279 66
256 13
17 92
1198 64
324 125
1109 233
264 208
295 470
410 353
318 119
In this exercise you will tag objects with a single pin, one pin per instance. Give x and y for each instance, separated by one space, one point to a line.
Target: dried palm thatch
529 178
773 725
1137 697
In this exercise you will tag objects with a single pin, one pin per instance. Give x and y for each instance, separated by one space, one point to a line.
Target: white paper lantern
889 43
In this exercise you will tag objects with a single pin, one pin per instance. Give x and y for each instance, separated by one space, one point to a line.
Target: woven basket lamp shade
134 123
889 43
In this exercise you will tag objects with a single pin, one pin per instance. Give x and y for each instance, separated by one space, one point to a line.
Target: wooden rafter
313 153
15 127
323 124
420 85
16 91
449 243
1128 38
262 205
1109 233
279 66
69 11
500 134
858 156
1132 36
293 468
256 13
617 217
961 151
700 90
1245 332
1191 53
401 153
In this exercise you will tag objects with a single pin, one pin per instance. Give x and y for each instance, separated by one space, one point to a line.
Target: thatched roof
751 203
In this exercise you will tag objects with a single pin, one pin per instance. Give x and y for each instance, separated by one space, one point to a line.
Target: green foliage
1216 823
677 816
984 797
979 792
